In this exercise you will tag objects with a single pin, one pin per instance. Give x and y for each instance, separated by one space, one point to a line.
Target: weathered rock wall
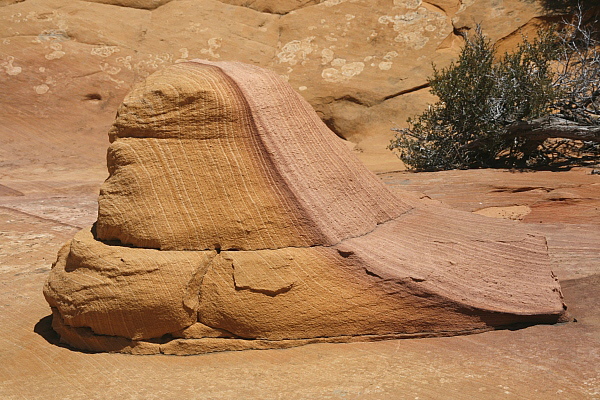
361 64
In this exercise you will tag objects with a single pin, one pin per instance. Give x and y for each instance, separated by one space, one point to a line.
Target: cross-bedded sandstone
233 218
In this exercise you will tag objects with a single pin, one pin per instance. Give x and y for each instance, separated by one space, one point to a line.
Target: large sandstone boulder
233 218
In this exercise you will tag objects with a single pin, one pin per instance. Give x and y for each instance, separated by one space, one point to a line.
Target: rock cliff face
361 64
233 218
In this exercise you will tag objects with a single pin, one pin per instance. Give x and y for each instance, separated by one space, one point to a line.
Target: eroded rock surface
362 64
233 218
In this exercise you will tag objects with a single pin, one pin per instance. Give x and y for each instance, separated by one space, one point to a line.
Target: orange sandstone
234 219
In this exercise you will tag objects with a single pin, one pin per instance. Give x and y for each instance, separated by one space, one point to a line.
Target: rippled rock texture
233 218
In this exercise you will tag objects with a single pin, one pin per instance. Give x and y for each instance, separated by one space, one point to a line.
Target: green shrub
489 105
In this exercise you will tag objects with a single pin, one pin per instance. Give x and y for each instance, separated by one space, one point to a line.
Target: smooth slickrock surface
538 362
231 205
563 206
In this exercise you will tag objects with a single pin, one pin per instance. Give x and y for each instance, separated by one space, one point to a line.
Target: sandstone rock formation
233 218
362 64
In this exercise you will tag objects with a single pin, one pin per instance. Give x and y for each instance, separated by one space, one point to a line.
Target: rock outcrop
233 218
362 64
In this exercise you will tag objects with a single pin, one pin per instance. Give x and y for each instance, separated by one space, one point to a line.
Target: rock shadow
44 328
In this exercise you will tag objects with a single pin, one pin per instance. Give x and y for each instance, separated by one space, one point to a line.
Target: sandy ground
41 211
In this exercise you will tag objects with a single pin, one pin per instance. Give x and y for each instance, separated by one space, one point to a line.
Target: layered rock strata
234 219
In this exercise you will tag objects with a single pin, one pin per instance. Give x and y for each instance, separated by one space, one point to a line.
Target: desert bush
535 106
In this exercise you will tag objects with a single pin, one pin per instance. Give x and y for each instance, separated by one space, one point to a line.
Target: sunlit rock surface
233 219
